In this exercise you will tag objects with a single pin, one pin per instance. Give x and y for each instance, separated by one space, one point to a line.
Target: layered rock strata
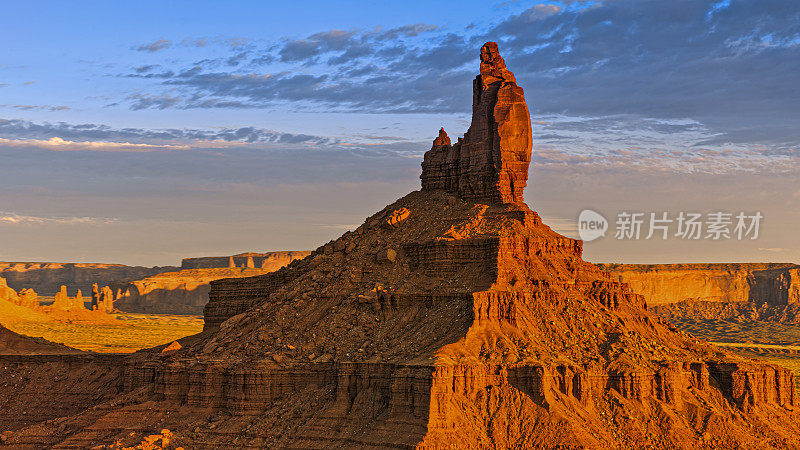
182 292
490 164
268 261
772 283
757 291
468 324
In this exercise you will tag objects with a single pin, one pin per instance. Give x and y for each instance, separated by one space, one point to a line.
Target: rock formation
105 301
47 278
490 165
8 294
268 260
28 298
470 324
62 300
181 292
95 296
763 291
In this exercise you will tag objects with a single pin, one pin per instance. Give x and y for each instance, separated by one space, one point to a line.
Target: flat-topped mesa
490 164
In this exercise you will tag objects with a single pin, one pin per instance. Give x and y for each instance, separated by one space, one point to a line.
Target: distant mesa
772 283
186 291
164 290
745 291
268 260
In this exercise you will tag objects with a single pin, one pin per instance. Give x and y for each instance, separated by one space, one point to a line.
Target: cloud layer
11 218
62 135
730 65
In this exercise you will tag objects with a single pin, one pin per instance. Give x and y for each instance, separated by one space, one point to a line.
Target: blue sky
143 132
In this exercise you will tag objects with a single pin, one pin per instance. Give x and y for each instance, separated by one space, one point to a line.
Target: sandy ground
114 333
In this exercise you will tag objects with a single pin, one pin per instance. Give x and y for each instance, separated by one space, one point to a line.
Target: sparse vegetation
127 334
773 342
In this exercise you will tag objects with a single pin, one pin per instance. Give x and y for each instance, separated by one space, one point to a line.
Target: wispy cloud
11 218
59 144
567 227
732 67
153 47
63 135
38 107
341 227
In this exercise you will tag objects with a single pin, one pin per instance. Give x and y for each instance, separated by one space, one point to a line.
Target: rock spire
490 164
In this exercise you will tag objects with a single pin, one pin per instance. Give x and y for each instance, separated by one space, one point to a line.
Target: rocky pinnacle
490 164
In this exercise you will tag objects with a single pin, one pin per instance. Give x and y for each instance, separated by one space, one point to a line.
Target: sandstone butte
48 277
24 306
466 323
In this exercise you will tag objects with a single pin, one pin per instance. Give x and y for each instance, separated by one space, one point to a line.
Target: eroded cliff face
47 278
490 164
775 286
452 318
756 291
8 294
181 292
269 261
186 291
671 283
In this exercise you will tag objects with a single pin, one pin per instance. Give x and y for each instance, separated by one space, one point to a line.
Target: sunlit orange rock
490 164
470 325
